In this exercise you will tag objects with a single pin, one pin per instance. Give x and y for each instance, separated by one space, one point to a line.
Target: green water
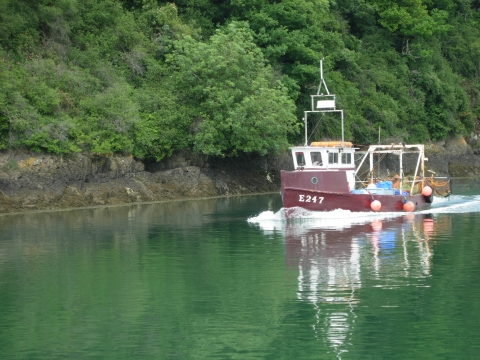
228 278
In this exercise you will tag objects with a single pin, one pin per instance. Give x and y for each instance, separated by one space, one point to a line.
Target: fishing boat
331 175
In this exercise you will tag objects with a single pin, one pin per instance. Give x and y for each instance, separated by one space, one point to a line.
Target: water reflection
328 273
331 259
193 280
179 280
334 257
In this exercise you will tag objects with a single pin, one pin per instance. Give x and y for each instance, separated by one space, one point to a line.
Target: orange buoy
427 191
408 206
375 205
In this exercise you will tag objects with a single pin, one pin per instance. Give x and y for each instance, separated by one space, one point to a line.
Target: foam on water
270 221
454 204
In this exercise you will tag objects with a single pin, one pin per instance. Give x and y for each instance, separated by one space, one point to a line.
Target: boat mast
322 80
322 103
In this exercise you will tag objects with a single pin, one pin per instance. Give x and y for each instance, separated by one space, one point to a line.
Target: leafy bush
233 99
129 76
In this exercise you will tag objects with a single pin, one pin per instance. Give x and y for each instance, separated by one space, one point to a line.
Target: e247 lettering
309 198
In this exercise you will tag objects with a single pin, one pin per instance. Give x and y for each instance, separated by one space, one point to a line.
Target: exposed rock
455 158
33 181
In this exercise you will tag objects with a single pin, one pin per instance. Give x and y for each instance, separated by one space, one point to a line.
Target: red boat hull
299 191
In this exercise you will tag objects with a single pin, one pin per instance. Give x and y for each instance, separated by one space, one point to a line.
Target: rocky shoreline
33 181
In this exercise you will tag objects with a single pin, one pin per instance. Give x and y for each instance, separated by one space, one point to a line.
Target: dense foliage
146 77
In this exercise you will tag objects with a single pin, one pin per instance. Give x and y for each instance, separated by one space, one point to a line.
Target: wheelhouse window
346 158
300 158
316 158
333 158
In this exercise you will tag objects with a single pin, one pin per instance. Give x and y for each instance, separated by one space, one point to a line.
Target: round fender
408 206
375 205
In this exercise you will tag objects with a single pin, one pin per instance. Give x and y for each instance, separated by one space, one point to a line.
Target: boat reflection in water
328 264
336 257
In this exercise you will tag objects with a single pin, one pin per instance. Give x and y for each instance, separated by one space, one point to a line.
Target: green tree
411 17
148 77
234 102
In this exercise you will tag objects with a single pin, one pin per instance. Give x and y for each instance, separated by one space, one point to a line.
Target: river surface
229 278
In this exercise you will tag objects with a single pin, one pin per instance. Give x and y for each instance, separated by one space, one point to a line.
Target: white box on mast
326 104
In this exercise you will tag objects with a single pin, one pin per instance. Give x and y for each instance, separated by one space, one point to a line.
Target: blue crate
384 185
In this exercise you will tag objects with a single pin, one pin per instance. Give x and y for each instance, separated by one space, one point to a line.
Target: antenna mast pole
322 80
323 104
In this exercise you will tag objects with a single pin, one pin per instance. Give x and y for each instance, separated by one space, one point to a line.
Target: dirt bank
34 181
